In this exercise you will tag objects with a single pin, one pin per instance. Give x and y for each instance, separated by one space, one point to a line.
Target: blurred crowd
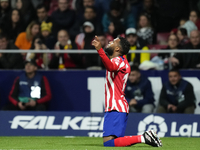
72 24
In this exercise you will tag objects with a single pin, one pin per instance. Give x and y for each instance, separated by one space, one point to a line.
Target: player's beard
109 51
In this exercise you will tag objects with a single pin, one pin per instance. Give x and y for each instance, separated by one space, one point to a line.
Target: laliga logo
152 122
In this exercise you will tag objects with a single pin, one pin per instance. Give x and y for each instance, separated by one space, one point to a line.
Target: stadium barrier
91 124
81 90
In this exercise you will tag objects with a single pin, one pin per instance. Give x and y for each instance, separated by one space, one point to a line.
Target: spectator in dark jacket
30 91
42 14
27 10
194 17
115 29
83 41
177 95
151 10
4 10
169 13
89 15
14 25
9 60
182 36
116 13
139 93
172 45
189 60
49 39
63 18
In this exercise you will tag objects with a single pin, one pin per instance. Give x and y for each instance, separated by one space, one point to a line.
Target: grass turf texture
88 143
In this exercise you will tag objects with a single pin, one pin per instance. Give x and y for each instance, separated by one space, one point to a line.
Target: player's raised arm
96 43
106 61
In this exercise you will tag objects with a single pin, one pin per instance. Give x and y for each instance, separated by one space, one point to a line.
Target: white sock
142 139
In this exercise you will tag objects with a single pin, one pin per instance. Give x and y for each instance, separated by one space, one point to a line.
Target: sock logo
153 122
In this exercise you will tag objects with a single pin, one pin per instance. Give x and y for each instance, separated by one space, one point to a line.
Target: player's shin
125 141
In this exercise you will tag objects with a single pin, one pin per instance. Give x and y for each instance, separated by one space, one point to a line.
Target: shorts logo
153 122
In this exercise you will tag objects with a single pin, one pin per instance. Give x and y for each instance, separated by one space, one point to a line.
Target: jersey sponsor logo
153 122
47 123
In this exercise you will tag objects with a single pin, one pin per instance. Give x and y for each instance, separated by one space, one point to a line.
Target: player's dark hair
183 31
124 45
175 70
135 68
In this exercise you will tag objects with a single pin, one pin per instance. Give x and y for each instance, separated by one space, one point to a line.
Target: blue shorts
115 123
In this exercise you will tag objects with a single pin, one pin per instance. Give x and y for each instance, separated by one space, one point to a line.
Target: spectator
188 60
83 41
116 13
181 23
40 58
136 44
14 26
189 26
89 15
151 10
52 5
177 95
42 14
27 10
24 39
63 18
169 14
62 61
115 29
145 30
9 60
4 10
182 36
194 17
30 91
139 93
49 39
36 3
172 45
103 40
82 4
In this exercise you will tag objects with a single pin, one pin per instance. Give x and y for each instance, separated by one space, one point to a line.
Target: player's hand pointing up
96 43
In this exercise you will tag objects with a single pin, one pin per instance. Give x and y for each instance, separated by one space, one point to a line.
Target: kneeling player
116 106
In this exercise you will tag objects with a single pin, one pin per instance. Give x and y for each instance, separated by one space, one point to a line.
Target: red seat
162 38
156 47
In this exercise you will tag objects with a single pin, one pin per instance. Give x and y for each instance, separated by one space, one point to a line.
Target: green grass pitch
89 143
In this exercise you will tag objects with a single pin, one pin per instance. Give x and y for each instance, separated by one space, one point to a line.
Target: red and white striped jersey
118 70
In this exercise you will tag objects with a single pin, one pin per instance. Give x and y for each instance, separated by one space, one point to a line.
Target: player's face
134 76
111 46
174 78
